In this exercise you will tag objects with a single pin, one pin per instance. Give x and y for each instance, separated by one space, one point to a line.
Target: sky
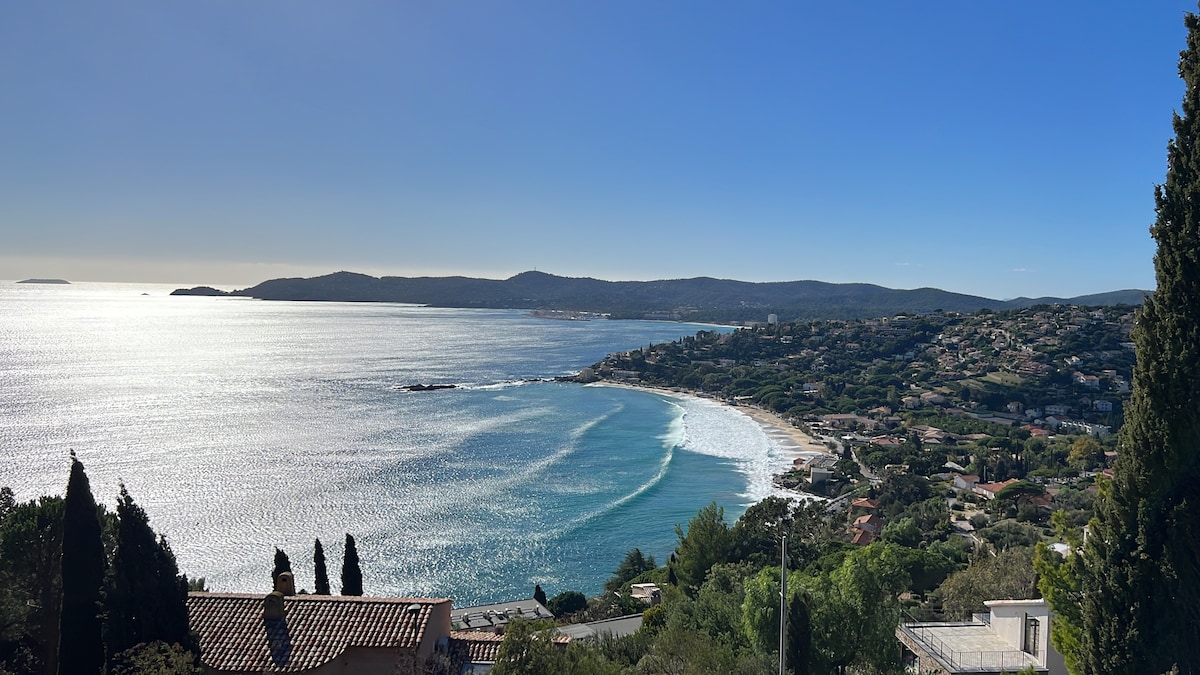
996 148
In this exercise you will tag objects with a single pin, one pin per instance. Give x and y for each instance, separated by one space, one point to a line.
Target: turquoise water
243 425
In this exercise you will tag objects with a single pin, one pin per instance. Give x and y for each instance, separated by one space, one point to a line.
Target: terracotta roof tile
234 636
483 647
479 646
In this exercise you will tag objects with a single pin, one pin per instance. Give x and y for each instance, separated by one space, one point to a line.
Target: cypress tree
282 564
149 597
81 645
539 595
322 580
351 573
799 634
1141 599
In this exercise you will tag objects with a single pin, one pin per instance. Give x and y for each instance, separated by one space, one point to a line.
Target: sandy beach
793 441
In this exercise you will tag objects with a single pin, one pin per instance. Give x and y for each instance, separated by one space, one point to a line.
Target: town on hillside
999 394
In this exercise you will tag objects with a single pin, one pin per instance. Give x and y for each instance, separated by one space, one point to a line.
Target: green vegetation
1141 570
1033 393
321 580
721 595
1023 397
282 564
81 641
351 572
148 599
85 590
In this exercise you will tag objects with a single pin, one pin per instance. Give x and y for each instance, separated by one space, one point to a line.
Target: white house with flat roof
1012 636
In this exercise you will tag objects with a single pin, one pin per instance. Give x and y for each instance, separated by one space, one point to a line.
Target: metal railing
967 660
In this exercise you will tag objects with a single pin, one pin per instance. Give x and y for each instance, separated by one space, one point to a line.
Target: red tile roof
862 538
482 647
316 628
479 646
865 503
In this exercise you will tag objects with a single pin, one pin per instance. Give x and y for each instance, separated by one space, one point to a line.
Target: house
1078 427
869 523
478 649
647 593
848 421
316 634
990 490
933 398
493 618
1012 637
818 475
620 626
865 504
863 538
1102 406
965 482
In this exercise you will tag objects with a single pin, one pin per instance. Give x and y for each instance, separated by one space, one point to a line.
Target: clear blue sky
986 147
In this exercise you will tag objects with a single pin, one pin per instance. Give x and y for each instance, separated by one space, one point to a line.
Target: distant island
701 299
199 290
44 281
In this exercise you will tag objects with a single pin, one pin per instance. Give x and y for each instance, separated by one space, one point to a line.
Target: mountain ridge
693 299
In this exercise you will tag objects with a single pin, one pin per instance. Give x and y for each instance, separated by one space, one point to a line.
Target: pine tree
351 573
1141 600
322 580
81 645
149 597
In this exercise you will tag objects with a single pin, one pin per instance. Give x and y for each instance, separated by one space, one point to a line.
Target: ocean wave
716 430
663 466
495 386
531 472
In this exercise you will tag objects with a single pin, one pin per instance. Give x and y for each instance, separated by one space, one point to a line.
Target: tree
31 585
351 573
760 610
8 501
1060 579
321 584
539 595
1143 556
81 649
706 543
528 649
567 602
634 565
799 633
1008 575
156 658
282 564
854 612
148 600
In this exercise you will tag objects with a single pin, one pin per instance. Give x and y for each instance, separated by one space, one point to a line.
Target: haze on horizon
990 148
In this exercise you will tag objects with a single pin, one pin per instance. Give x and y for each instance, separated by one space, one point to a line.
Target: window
1032 625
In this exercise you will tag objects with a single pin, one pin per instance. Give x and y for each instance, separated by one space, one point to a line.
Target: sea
242 425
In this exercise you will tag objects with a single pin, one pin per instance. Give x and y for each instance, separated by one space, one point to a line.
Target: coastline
793 442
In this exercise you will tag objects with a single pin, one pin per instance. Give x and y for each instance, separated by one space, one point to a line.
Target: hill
697 299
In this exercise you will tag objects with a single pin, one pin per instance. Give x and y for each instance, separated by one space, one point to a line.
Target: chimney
285 583
273 606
